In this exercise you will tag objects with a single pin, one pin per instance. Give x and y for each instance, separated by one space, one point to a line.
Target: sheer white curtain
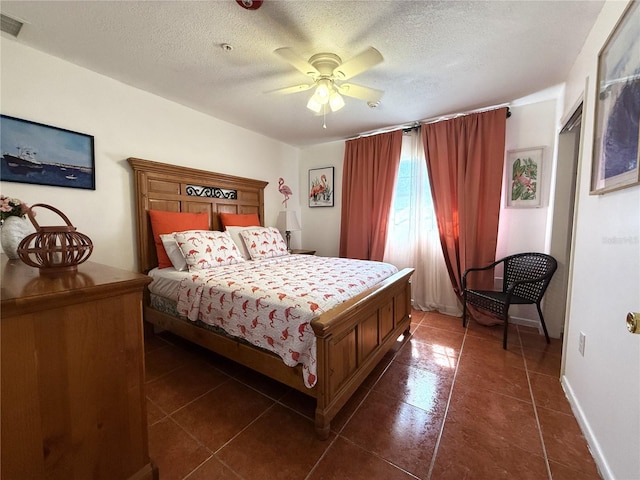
412 239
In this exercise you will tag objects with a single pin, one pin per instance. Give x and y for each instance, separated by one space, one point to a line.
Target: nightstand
303 252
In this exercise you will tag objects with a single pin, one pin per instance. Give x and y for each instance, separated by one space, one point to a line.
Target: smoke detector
249 4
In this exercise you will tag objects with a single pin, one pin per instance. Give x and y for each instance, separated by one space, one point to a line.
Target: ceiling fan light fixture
320 99
324 90
336 102
314 105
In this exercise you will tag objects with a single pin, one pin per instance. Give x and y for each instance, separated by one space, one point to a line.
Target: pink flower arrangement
12 207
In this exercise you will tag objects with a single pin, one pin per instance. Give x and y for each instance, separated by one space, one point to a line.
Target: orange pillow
240 220
168 222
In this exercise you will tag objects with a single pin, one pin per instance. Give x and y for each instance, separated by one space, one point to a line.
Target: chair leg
506 328
544 325
464 314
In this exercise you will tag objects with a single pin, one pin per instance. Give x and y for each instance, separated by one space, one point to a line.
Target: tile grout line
173 420
215 453
326 450
535 409
198 466
169 414
446 410
245 428
338 433
324 454
388 462
165 414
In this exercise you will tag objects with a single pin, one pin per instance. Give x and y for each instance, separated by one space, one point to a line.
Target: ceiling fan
329 75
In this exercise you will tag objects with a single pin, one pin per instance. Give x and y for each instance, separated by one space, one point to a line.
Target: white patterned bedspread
270 303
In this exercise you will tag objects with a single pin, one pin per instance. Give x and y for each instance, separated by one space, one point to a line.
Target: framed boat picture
44 155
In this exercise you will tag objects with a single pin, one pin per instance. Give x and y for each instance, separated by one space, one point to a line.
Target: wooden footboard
351 340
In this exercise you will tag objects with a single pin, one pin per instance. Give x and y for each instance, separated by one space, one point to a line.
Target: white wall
321 225
127 122
532 124
604 384
524 229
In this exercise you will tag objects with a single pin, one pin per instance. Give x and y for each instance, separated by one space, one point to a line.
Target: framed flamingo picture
321 189
524 172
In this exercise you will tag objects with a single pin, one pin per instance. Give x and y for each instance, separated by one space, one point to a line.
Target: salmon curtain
369 174
465 158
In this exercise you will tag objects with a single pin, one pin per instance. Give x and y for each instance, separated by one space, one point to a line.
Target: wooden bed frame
351 338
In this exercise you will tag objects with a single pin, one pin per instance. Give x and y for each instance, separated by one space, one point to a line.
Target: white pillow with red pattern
264 242
205 249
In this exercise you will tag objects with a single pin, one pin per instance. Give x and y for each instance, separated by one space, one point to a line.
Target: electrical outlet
581 341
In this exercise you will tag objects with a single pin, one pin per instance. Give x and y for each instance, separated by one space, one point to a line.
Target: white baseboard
527 322
592 443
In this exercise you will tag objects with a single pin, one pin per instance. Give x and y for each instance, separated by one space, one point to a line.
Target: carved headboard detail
160 186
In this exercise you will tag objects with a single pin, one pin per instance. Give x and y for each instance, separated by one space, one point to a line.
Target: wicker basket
56 249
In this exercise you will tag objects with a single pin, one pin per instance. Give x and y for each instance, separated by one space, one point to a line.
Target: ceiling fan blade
292 89
358 91
358 64
298 63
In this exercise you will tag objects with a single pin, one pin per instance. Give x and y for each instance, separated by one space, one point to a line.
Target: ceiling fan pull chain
324 116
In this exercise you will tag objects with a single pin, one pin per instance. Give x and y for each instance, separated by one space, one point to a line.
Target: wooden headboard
160 186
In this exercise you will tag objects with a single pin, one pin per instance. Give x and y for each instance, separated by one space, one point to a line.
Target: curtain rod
417 123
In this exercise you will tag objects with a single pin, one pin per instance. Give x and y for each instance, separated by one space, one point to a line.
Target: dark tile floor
446 403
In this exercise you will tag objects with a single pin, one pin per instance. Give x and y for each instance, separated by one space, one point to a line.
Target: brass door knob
633 322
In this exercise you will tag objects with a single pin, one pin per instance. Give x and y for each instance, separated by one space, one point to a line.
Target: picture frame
321 191
41 154
523 186
616 156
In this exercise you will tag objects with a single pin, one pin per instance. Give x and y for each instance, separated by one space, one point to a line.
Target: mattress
271 302
166 282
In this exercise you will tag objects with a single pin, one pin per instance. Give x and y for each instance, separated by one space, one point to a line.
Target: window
412 239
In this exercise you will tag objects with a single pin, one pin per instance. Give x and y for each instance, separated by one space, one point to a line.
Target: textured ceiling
439 57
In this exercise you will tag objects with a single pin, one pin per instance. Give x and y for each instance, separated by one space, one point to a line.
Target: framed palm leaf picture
524 169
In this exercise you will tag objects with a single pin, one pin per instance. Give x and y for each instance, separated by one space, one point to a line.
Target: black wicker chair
526 277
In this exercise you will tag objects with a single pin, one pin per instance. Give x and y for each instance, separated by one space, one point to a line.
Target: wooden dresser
72 366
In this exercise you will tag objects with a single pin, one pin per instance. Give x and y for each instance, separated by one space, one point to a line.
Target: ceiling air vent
10 25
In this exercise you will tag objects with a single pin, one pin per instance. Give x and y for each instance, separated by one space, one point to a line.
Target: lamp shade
288 221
